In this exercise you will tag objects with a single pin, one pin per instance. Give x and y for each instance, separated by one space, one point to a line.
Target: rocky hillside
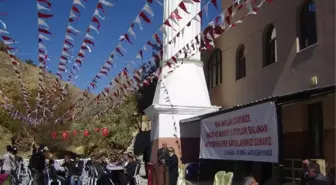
9 84
122 121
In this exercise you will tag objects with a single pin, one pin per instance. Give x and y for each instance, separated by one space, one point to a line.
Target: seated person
97 164
18 159
54 169
123 160
129 170
88 164
67 165
99 172
104 161
75 172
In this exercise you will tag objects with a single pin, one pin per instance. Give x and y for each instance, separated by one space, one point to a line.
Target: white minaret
187 35
186 86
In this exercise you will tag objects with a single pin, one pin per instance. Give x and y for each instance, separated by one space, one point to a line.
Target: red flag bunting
87 41
6 38
80 54
150 43
167 23
75 9
183 7
44 31
100 6
144 17
118 50
94 19
214 2
46 2
44 15
128 39
68 43
157 38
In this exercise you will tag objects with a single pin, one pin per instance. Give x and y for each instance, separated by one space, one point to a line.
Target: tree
146 94
120 121
30 62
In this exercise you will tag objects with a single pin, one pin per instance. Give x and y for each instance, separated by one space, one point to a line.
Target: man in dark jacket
98 166
315 176
172 166
75 171
54 173
37 164
162 153
130 170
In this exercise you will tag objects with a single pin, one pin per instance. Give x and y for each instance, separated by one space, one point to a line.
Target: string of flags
71 32
119 49
128 81
107 66
13 112
175 17
9 43
205 40
166 91
85 46
43 14
66 54
88 41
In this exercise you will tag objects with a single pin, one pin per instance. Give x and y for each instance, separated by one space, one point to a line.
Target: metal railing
293 169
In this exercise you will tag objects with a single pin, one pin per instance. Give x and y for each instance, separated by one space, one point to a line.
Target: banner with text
247 134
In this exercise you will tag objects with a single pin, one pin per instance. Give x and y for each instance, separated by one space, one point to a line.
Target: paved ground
143 181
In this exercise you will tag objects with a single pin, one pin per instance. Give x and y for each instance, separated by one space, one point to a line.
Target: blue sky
21 20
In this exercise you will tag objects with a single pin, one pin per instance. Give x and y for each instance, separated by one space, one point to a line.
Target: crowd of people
44 169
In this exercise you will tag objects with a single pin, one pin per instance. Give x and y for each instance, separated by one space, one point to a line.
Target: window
240 62
270 46
307 25
215 69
